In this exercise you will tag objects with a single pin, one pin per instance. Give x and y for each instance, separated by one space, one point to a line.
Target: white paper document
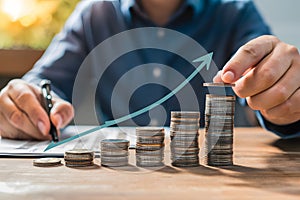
22 148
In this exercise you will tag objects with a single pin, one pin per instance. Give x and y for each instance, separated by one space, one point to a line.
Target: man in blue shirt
264 69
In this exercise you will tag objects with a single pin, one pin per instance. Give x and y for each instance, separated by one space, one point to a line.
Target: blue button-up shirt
138 77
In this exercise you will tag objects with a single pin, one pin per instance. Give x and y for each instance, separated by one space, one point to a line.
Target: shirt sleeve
248 25
284 131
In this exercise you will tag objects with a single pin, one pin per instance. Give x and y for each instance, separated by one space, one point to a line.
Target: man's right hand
23 117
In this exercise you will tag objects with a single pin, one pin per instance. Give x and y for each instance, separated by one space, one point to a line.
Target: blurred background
32 23
26 29
28 26
283 17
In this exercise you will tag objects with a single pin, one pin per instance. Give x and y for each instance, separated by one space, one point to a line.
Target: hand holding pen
22 115
48 104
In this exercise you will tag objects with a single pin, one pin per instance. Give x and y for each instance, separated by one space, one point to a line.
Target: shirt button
161 33
156 72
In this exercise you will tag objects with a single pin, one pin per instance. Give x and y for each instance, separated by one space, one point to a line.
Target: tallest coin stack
219 120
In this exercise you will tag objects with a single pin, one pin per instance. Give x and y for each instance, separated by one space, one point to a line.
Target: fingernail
228 77
42 127
217 77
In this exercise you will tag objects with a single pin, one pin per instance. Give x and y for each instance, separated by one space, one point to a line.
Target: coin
215 97
185 163
114 161
149 147
220 159
185 120
149 129
77 157
150 140
114 144
114 164
218 85
107 153
46 162
184 127
149 158
184 144
184 151
182 139
79 163
79 151
149 164
221 151
185 114
184 133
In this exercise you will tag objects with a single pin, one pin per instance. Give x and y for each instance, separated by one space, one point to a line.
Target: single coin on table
46 162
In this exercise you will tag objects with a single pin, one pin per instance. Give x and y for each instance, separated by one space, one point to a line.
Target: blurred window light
32 23
17 9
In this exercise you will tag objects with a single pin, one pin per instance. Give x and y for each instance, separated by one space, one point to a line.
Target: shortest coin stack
79 158
184 134
150 146
46 162
114 152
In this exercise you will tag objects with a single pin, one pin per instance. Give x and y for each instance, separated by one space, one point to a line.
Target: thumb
62 113
247 57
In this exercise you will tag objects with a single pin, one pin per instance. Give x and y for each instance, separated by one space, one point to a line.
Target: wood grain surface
265 167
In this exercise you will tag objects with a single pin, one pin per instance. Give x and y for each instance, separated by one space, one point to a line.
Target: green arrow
205 61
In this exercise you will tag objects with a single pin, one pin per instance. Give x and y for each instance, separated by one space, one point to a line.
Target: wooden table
265 168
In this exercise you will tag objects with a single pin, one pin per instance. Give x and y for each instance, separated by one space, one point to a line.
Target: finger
10 132
62 113
247 57
279 92
25 99
18 119
285 113
272 68
217 78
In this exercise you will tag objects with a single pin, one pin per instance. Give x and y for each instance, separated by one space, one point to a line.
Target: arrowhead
206 60
50 146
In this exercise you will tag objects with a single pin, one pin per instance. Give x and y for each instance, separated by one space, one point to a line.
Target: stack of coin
114 152
47 162
79 158
184 132
219 120
150 146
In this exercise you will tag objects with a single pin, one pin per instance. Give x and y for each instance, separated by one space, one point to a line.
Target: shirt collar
198 5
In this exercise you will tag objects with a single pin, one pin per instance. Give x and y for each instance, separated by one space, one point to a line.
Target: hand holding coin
266 72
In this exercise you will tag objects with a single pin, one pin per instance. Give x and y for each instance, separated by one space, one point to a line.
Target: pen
47 98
